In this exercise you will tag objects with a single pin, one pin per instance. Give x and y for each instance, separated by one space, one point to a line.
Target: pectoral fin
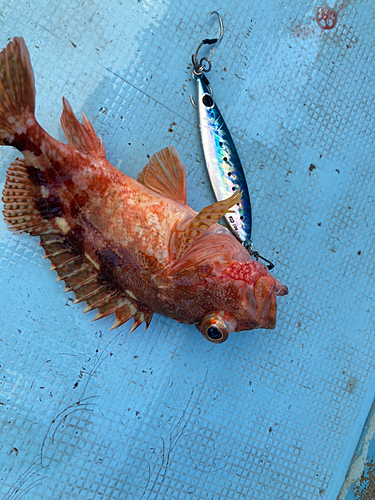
206 217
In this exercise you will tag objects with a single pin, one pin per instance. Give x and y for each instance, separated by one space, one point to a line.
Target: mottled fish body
124 246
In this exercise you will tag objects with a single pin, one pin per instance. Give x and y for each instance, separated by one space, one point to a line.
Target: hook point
221 26
214 42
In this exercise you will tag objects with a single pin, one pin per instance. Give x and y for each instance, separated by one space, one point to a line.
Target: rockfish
128 247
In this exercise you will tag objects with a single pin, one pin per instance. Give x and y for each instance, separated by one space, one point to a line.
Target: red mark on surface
326 17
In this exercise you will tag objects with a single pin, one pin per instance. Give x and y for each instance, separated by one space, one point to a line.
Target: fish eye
215 327
213 333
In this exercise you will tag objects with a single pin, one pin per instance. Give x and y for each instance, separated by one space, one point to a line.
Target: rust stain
366 487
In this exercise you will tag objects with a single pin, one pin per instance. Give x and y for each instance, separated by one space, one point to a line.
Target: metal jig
221 157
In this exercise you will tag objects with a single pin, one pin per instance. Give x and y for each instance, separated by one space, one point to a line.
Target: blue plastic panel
88 413
359 481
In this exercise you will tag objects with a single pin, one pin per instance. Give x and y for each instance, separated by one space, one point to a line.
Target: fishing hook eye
199 66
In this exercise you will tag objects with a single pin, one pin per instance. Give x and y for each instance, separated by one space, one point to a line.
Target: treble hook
199 67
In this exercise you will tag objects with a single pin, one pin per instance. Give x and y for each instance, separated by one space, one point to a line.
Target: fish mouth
281 289
266 289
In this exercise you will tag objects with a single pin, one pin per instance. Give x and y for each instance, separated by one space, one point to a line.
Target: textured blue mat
359 481
87 413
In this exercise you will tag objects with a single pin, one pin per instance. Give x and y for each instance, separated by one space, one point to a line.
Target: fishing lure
221 157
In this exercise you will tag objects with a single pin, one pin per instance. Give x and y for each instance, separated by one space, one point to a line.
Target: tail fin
17 89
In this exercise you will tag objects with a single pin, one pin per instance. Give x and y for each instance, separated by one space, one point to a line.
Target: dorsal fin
22 212
165 173
202 221
82 136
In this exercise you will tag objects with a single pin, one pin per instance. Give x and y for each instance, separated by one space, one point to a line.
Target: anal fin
20 211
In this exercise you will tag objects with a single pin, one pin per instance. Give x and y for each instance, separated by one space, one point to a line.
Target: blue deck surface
88 413
359 482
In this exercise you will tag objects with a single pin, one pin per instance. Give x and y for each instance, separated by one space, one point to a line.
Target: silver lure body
222 161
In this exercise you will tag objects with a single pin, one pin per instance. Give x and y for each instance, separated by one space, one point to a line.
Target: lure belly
222 161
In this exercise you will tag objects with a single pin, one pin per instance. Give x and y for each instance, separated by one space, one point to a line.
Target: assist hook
248 244
199 66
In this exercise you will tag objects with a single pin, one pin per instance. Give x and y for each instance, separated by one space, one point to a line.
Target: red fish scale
244 271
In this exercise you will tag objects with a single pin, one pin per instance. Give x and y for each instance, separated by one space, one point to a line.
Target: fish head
220 288
247 294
